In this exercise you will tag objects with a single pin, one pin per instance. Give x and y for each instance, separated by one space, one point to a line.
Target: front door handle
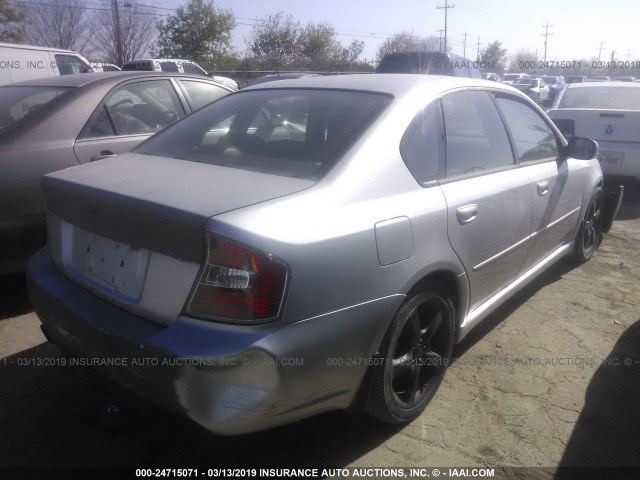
467 213
543 188
103 154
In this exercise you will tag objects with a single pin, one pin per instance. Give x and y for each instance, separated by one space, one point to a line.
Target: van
430 63
26 62
175 65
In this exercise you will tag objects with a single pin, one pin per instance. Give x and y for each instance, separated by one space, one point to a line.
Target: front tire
415 353
590 231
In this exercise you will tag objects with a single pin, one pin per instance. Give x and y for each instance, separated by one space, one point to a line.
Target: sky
578 26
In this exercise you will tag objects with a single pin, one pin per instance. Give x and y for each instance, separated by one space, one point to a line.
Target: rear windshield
614 98
298 133
19 103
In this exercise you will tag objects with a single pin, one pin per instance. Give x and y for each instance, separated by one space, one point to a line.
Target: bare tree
58 24
123 32
407 42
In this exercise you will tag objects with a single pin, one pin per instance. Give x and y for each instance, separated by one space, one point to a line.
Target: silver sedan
310 245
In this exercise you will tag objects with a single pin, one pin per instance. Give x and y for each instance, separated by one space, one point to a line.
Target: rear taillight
237 283
566 127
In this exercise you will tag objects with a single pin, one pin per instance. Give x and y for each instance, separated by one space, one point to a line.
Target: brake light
237 283
566 127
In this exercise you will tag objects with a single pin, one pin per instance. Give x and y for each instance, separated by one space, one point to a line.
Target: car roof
396 84
35 47
83 79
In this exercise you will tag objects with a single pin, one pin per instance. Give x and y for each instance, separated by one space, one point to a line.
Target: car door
488 197
128 115
556 184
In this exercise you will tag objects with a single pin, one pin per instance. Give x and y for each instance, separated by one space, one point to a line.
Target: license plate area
611 159
111 266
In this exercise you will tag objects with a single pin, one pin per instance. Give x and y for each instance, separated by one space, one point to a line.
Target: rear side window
19 103
169 66
298 133
422 148
192 68
201 93
533 138
476 138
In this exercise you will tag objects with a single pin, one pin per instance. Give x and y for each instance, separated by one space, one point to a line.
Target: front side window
533 138
135 109
69 64
299 133
476 138
202 93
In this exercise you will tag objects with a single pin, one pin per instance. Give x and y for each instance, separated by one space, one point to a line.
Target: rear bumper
230 379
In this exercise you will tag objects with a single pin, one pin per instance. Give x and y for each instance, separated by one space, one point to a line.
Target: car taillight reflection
237 283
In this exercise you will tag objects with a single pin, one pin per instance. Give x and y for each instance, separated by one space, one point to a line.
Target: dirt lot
551 379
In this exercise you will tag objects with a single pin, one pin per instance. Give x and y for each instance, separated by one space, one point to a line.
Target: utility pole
628 53
600 50
545 35
464 49
446 9
118 35
478 49
440 42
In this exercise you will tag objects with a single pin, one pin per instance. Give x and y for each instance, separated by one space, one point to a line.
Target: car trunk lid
157 203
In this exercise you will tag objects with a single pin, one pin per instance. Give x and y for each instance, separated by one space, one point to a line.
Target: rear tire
415 353
590 231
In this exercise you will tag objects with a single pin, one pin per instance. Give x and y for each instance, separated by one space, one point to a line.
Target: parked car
494 77
175 65
599 78
104 67
310 245
429 63
26 62
283 76
575 79
54 123
510 78
555 84
608 112
534 88
624 79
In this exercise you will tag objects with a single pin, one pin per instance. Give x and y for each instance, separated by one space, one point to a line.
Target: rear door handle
543 188
467 213
103 154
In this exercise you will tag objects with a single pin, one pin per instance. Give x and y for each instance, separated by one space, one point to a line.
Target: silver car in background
311 245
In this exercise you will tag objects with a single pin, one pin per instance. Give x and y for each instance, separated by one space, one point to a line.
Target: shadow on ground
14 298
611 412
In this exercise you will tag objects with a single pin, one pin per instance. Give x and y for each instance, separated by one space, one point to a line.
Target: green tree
494 58
319 48
524 61
274 41
11 23
200 32
408 42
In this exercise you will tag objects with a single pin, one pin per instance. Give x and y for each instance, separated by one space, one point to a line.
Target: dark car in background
429 63
53 123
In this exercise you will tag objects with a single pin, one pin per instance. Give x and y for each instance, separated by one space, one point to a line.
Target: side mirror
581 148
